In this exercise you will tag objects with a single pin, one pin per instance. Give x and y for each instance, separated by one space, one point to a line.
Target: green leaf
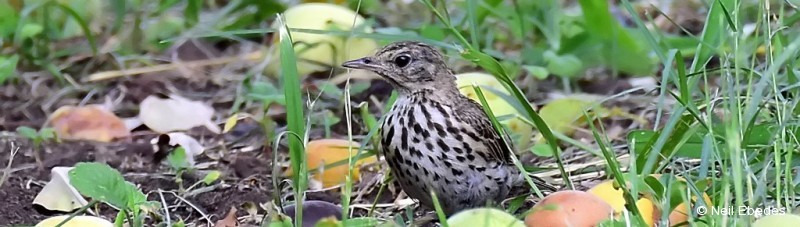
620 48
47 133
563 65
356 87
8 67
432 32
564 115
101 182
211 177
266 92
542 150
30 30
640 139
192 12
27 132
177 159
179 223
537 71
9 22
330 88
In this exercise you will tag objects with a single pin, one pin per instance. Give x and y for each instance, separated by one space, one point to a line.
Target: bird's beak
361 63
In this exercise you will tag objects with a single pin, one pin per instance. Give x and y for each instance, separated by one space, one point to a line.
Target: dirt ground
243 156
135 161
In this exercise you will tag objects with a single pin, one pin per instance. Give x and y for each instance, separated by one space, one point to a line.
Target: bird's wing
474 115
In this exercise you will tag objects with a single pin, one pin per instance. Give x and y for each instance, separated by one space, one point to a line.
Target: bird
435 139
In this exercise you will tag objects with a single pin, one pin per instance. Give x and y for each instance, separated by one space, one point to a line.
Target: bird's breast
429 149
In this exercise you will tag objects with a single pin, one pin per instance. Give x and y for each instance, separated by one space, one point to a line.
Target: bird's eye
402 60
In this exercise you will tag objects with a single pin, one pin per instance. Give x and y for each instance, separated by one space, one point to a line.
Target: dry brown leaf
229 220
91 122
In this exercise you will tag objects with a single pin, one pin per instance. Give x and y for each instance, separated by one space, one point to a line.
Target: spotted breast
432 146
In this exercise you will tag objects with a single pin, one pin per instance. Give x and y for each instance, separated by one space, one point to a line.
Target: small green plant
177 161
180 164
102 183
8 67
37 137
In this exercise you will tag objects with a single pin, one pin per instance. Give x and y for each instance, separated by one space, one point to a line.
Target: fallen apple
90 122
778 220
650 212
614 197
319 52
328 151
480 217
77 221
569 208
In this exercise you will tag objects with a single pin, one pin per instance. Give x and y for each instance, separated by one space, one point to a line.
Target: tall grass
295 118
748 84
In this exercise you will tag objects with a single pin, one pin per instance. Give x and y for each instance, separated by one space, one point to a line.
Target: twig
195 207
158 68
166 208
7 170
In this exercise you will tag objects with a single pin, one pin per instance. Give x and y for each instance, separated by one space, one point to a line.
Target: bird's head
408 66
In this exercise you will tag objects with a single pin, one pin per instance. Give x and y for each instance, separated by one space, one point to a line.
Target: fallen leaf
230 123
229 220
58 194
211 176
175 113
91 122
565 115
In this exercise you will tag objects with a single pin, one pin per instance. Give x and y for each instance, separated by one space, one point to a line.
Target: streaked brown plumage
436 139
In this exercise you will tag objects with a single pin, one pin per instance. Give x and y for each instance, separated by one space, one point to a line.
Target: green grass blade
473 22
82 23
614 167
438 208
119 7
294 115
499 130
192 12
